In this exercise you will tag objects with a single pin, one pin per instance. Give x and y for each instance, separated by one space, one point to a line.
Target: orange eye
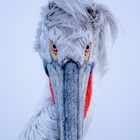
87 48
53 49
87 51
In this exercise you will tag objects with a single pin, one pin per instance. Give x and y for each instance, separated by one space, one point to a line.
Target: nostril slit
78 63
67 60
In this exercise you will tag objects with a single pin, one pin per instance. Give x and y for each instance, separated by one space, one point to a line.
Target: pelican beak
73 118
69 84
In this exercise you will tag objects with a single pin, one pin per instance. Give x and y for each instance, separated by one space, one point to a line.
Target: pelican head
70 41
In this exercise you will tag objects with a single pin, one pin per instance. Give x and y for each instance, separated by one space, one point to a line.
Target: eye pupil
54 47
87 47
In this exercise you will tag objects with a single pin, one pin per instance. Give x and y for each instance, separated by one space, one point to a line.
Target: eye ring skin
53 49
87 51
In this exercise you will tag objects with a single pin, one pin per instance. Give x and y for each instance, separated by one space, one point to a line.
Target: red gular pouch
88 95
51 90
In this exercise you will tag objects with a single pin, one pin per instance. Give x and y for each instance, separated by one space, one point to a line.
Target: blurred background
22 77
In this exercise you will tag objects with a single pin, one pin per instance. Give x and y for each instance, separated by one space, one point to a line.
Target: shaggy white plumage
65 21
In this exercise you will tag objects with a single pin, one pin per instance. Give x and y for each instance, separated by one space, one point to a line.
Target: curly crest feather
63 19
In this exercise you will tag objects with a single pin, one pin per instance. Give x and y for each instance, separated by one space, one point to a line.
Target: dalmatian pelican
71 43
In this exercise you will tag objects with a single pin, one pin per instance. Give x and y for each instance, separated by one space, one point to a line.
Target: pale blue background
22 78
